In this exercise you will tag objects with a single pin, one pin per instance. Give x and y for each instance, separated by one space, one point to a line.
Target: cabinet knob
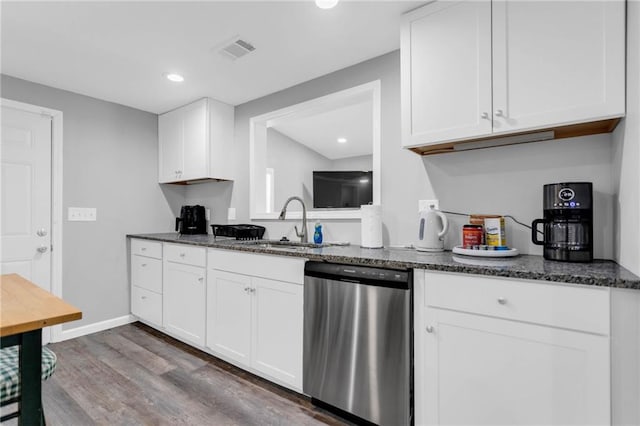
182 254
201 279
143 297
247 289
429 329
502 300
485 116
143 249
499 113
143 265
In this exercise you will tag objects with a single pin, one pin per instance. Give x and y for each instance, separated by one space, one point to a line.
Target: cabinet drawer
188 255
280 268
146 273
558 305
146 248
146 305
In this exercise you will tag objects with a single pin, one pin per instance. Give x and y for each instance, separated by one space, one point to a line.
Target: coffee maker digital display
568 222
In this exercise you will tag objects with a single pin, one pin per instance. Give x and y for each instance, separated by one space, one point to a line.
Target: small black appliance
192 220
568 222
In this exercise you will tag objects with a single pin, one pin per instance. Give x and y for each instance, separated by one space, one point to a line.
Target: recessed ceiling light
342 140
326 4
177 78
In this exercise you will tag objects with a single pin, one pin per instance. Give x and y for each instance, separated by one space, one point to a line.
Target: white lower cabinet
256 320
146 281
229 315
184 300
496 363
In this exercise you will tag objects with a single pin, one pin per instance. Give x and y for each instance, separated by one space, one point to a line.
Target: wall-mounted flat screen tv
342 189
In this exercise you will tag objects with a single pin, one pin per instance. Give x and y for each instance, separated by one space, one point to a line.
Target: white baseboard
95 327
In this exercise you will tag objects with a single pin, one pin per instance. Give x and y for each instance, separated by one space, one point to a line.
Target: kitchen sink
283 245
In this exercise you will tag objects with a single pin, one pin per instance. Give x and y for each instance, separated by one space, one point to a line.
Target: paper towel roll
371 226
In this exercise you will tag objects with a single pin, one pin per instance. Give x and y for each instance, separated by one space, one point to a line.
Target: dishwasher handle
359 274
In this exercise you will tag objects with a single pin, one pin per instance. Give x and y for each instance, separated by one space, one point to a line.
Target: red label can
472 235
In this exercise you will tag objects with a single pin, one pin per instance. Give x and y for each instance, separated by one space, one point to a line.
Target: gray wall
110 162
293 164
626 155
505 180
361 162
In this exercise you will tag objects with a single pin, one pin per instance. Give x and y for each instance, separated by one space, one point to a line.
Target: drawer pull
143 297
201 279
502 300
247 289
182 254
143 265
429 329
143 248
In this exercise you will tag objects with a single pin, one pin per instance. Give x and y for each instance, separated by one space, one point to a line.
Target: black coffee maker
568 222
192 220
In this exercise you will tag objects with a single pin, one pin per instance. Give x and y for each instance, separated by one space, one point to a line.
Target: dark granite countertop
599 273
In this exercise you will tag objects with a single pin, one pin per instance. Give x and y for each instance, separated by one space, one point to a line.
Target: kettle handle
445 223
534 232
178 220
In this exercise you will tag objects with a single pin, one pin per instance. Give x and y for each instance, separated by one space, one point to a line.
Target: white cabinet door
473 369
184 301
229 315
146 305
557 62
277 330
196 140
446 72
170 136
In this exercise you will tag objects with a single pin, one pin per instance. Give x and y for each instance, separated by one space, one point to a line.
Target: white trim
96 327
56 195
267 120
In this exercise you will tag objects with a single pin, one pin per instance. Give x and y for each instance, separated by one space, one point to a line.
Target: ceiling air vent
237 48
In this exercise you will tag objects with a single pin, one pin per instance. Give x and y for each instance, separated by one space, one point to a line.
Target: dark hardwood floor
134 375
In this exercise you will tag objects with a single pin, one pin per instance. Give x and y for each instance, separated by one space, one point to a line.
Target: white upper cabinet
195 141
478 69
446 72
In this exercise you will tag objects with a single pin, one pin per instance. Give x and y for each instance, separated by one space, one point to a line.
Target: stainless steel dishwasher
357 341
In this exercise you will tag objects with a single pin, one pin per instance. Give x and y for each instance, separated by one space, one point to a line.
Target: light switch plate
82 214
207 214
425 204
231 213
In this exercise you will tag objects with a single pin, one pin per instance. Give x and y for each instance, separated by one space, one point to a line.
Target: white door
25 230
184 301
170 136
277 330
557 62
229 315
196 140
446 72
488 371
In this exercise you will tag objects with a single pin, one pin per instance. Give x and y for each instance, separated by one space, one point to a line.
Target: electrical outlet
426 204
231 213
82 214
207 213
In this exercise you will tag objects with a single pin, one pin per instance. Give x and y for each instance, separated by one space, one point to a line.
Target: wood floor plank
134 375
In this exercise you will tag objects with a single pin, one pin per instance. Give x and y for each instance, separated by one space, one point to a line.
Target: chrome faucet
283 214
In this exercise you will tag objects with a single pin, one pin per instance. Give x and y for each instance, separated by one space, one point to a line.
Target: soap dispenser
317 235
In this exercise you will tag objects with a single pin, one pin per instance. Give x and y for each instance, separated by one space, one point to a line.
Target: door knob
42 232
43 249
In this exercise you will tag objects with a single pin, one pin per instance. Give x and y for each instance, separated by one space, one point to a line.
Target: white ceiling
320 132
118 51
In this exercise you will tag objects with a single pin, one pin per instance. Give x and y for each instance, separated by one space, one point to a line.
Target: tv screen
343 189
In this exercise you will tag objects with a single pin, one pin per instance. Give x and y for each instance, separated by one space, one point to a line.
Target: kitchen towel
371 226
